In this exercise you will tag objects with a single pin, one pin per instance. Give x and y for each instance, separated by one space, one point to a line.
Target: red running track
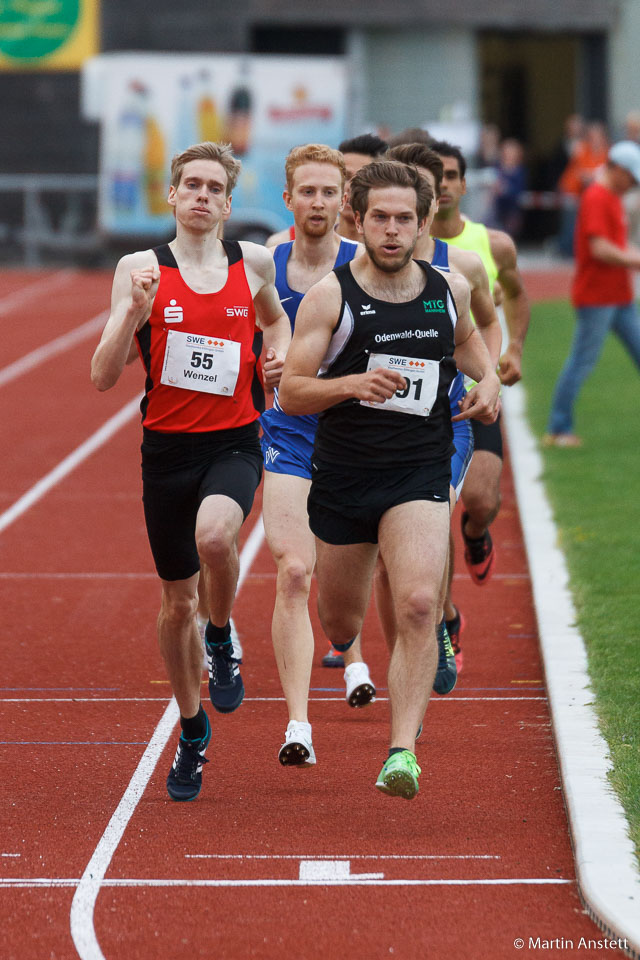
269 862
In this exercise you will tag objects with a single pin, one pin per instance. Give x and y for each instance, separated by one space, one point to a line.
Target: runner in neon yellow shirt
481 490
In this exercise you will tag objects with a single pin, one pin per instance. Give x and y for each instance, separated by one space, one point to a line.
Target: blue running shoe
447 672
226 688
185 777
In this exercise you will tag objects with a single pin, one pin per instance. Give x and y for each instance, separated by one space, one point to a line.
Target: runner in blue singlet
315 177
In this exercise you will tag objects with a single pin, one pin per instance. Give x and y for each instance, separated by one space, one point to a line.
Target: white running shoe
360 689
297 749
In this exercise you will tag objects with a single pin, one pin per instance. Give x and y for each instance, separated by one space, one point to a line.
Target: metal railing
52 213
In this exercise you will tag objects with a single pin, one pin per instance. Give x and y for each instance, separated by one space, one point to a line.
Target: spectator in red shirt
602 291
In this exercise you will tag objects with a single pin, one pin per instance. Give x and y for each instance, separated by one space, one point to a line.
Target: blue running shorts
287 443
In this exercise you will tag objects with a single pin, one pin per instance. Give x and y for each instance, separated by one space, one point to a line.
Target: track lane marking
51 349
19 297
147 575
448 699
278 882
84 900
73 460
342 856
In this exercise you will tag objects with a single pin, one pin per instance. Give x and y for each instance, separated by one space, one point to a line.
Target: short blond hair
313 153
219 152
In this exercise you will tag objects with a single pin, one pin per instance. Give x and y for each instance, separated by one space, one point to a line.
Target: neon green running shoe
399 775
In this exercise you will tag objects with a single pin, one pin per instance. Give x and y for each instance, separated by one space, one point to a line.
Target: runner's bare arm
483 308
272 319
282 236
515 305
300 389
472 358
135 284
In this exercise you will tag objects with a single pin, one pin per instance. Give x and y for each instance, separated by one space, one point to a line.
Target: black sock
393 750
213 634
453 625
194 728
343 647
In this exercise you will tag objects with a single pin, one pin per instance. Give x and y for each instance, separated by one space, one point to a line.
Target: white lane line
248 699
83 905
275 882
267 575
17 299
84 700
81 919
51 349
606 867
496 576
66 466
25 575
341 856
332 870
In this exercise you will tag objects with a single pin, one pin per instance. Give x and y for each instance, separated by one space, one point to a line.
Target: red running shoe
479 555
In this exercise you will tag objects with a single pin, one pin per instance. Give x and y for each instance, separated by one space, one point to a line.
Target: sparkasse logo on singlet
173 313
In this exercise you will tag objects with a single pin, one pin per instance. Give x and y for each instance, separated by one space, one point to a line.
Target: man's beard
390 267
315 229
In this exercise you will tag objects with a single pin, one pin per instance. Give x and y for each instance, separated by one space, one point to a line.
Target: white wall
407 77
624 63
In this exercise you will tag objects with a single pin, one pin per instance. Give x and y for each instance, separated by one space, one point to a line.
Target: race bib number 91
421 384
208 364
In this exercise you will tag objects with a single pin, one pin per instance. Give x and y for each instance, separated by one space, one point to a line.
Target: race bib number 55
208 364
421 384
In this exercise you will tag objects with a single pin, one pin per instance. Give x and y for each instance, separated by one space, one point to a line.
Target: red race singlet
228 314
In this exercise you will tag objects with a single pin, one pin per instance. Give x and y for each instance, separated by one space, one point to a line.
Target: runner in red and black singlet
190 309
177 309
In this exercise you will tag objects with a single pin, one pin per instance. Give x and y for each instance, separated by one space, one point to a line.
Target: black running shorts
178 472
487 436
345 504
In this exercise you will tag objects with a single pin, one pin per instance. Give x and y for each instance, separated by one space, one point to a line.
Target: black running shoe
479 555
185 777
446 673
226 688
333 659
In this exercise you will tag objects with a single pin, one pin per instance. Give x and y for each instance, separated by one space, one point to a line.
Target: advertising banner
48 34
152 106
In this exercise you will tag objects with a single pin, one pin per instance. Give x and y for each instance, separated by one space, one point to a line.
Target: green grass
595 495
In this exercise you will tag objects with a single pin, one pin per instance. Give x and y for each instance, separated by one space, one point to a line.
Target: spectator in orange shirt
589 155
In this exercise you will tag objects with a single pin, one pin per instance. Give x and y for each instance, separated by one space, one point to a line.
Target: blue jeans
593 325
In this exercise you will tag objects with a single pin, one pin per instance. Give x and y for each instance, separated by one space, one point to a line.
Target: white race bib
195 362
422 379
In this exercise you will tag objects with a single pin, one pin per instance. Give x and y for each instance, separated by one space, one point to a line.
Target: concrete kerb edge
606 868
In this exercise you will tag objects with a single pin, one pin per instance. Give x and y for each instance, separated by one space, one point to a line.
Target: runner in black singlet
384 332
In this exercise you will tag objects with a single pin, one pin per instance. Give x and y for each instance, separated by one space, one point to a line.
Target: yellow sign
48 34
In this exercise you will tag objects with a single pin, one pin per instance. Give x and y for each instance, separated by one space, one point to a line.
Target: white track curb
607 871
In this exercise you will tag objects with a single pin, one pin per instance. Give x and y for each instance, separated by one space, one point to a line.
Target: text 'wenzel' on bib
195 362
422 379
